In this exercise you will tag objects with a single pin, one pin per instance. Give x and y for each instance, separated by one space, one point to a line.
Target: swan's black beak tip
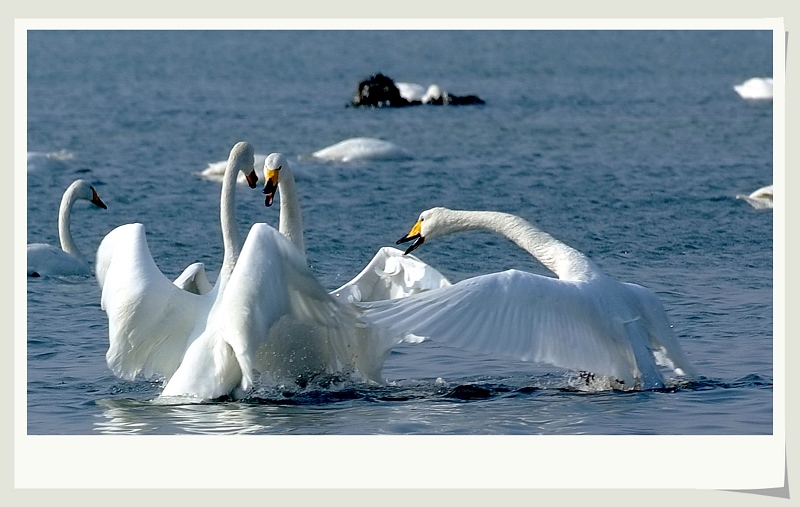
416 244
269 192
252 179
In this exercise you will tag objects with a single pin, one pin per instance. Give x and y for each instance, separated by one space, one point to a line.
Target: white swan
151 321
275 318
582 320
361 148
755 88
389 274
759 199
44 259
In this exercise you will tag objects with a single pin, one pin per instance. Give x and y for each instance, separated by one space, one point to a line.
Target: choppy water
629 146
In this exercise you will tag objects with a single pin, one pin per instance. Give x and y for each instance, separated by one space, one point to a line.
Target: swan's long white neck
291 219
561 259
64 234
231 241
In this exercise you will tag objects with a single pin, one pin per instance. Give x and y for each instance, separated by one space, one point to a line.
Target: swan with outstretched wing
583 320
152 320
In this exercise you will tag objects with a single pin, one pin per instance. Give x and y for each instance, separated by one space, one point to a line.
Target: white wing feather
149 318
534 318
390 275
194 279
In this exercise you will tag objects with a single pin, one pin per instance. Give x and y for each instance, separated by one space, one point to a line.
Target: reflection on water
128 417
554 406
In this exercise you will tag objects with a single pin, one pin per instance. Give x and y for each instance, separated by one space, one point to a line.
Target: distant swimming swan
759 199
44 259
361 148
755 88
582 320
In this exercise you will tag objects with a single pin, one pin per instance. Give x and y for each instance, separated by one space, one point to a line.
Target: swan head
272 173
81 189
243 157
431 223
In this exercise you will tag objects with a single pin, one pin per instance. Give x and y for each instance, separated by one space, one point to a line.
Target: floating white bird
388 275
151 321
756 88
361 148
760 199
44 259
582 320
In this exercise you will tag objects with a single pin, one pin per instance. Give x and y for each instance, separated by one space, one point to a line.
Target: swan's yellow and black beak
96 199
414 234
252 179
271 185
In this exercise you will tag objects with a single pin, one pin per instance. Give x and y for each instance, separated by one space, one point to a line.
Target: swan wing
149 318
661 339
517 315
390 275
194 279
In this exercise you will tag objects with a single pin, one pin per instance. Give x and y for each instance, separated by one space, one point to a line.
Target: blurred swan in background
361 148
44 259
756 88
759 199
582 320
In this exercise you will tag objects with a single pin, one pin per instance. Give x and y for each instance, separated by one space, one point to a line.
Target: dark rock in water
469 392
379 90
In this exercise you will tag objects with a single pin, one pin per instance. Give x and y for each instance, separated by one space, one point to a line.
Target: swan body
388 275
759 199
44 259
361 148
756 88
275 319
152 321
582 320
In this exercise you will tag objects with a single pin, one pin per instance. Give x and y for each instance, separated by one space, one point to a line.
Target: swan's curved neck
561 259
291 220
64 234
231 241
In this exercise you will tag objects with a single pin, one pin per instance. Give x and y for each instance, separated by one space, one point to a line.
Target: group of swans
267 314
49 260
